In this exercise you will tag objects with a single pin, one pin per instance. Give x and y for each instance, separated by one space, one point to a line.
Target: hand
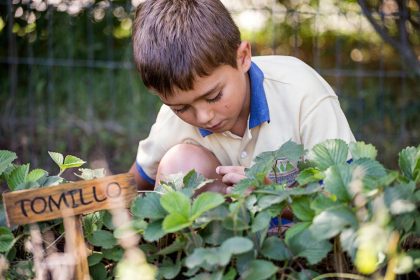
231 174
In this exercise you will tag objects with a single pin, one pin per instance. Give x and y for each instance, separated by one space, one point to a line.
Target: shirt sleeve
325 120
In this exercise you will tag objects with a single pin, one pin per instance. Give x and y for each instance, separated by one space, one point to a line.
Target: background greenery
67 83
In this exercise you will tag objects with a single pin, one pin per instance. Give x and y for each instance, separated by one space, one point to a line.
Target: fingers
225 169
215 186
232 178
231 174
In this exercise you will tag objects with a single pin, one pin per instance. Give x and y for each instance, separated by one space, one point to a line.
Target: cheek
187 117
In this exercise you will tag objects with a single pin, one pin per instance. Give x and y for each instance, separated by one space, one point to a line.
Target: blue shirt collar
259 112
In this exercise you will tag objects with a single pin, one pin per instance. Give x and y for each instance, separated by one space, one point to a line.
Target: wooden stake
82 268
70 201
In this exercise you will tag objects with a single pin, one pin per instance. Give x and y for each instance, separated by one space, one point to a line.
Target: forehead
201 87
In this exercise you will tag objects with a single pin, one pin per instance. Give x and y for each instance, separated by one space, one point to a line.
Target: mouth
215 127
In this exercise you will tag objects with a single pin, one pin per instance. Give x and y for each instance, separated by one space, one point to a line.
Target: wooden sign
82 197
72 199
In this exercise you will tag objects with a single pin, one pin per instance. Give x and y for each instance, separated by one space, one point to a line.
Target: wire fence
68 83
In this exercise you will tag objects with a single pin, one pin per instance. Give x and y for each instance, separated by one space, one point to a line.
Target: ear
243 56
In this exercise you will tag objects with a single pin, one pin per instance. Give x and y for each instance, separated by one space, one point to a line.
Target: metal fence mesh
68 84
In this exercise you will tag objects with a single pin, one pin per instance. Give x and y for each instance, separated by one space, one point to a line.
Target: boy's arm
142 184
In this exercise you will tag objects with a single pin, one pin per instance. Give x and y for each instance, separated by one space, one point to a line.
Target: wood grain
82 197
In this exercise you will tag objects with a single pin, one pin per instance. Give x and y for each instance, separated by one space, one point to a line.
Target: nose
204 115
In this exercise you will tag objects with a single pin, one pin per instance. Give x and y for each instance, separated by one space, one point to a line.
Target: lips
215 127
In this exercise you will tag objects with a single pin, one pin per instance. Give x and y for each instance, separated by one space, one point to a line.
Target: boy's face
218 102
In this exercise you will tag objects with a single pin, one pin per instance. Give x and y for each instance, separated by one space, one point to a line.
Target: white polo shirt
289 101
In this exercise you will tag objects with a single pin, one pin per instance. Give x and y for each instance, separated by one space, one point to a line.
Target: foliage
357 211
69 77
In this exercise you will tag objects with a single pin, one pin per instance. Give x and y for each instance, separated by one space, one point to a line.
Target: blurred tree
398 24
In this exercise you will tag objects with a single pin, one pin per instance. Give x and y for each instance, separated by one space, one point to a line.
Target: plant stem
194 237
341 275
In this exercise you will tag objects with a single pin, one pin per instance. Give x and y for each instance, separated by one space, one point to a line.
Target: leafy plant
350 218
354 209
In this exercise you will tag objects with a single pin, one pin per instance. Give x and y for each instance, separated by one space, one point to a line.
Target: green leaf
415 255
202 256
328 153
72 162
215 233
176 246
205 202
290 150
301 208
148 206
348 242
263 164
243 260
35 175
332 221
399 198
17 176
239 218
404 222
57 158
304 190
193 181
114 254
95 258
107 220
304 274
310 175
296 229
92 222
409 162
168 269
304 244
51 181
370 167
6 239
322 202
98 271
89 174
237 245
175 222
27 186
362 150
102 238
337 180
154 231
259 270
269 200
176 202
274 248
261 221
230 275
6 158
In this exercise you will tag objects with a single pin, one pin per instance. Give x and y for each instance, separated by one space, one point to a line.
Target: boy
221 108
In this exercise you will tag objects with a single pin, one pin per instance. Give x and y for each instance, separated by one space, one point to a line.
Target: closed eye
215 99
180 110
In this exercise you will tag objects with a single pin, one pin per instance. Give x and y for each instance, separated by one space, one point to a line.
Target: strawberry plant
351 219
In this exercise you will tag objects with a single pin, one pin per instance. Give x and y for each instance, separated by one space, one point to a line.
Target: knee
185 157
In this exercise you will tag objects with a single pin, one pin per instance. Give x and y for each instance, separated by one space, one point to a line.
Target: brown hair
175 41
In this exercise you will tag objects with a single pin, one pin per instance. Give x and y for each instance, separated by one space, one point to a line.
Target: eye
216 98
180 110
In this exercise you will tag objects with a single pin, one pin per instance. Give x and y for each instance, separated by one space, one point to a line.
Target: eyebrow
210 91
